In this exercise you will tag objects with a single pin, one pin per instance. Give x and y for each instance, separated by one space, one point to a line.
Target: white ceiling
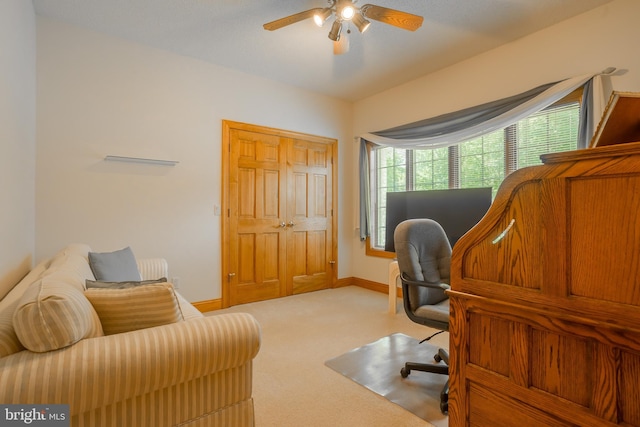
229 33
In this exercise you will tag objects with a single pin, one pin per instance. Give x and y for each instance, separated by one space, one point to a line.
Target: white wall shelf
141 160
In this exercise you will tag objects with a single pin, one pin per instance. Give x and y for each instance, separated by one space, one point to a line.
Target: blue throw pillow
117 266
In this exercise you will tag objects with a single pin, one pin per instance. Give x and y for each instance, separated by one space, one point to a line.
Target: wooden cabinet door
279 229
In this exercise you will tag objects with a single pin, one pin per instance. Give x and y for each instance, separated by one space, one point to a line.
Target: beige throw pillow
139 307
52 314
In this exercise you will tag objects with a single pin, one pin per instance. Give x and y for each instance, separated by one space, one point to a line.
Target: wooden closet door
309 216
257 196
279 229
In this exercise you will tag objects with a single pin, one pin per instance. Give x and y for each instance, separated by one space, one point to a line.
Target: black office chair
424 259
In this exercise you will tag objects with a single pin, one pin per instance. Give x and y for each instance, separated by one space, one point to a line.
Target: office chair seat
438 312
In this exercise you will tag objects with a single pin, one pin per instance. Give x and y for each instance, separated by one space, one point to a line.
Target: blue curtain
365 191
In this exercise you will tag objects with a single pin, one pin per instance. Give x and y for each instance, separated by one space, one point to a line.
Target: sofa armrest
153 268
99 371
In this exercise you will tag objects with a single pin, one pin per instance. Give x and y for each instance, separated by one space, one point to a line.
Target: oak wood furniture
545 298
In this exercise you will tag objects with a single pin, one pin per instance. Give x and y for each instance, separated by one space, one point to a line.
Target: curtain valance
453 128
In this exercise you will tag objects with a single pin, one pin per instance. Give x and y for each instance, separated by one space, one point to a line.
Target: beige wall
588 43
99 95
17 139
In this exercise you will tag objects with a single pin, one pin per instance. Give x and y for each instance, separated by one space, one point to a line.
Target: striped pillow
139 307
9 342
54 314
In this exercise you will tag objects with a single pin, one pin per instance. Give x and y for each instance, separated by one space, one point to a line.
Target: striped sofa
189 371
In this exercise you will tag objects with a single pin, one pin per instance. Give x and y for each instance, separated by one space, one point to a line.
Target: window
481 162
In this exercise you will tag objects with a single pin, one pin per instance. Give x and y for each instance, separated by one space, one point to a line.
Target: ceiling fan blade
404 20
291 19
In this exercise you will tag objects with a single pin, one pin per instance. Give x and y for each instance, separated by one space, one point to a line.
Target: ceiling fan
346 11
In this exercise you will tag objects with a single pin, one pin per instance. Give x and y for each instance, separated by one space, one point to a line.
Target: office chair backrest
424 254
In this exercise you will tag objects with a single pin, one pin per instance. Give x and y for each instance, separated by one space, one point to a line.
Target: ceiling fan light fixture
347 12
336 29
321 17
361 22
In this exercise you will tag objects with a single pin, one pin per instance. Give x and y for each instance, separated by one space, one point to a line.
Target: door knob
291 224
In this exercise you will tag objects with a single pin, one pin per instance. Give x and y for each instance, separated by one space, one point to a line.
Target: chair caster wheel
444 408
437 358
404 372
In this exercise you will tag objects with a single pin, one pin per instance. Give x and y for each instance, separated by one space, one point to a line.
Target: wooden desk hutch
545 291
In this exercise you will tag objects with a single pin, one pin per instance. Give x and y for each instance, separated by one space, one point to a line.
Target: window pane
391 175
481 162
549 131
392 169
431 169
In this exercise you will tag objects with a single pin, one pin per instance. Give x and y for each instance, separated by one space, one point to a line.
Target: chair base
442 355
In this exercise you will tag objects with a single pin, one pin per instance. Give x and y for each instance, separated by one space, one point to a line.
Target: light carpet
293 387
377 365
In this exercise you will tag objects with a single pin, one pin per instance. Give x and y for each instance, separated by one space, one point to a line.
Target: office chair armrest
440 285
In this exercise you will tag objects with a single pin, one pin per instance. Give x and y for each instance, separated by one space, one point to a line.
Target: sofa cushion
73 269
121 285
117 266
79 249
189 312
54 314
138 307
28 280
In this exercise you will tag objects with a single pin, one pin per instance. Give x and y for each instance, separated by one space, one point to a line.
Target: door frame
227 126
